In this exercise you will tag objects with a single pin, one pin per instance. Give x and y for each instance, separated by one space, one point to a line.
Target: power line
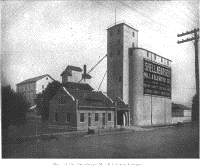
146 27
161 25
196 40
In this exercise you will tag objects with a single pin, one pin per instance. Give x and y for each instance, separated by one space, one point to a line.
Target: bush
14 108
43 99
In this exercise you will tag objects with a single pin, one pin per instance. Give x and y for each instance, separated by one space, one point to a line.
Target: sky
43 37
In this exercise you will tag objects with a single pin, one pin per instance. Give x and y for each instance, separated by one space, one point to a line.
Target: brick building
75 109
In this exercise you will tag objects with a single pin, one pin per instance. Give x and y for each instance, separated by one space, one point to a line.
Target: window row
96 117
82 117
26 87
154 56
29 96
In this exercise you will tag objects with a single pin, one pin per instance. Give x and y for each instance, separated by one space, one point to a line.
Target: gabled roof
86 76
88 98
122 23
70 68
120 103
35 79
79 86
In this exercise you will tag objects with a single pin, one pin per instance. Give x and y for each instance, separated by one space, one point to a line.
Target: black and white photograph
99 80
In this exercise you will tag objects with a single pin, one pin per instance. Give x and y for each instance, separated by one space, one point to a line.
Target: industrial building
30 88
76 106
33 86
141 78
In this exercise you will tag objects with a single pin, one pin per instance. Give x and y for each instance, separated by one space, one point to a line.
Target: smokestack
84 68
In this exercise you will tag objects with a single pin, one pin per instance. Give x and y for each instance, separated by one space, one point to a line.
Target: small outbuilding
180 113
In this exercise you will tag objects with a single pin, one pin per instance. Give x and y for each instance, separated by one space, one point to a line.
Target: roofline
35 81
107 97
125 109
135 48
68 93
122 23
96 107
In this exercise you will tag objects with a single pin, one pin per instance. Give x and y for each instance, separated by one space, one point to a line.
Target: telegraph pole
195 38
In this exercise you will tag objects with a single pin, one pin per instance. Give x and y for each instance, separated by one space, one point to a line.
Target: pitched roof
120 103
180 106
86 76
70 68
79 86
90 98
35 79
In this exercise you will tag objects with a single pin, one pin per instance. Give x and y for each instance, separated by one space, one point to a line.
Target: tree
43 99
195 108
14 108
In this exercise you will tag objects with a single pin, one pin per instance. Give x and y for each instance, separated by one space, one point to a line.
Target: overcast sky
44 37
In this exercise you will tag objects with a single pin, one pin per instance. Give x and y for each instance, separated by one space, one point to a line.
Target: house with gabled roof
33 86
74 74
74 109
181 113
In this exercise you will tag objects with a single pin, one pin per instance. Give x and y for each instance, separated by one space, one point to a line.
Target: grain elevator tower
120 38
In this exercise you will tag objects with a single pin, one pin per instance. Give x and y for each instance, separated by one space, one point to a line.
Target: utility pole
196 40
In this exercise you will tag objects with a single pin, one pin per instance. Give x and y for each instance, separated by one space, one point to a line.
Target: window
68 117
110 54
147 54
161 59
96 117
118 31
133 45
56 117
62 100
82 119
167 62
155 57
133 34
109 116
42 86
118 52
46 78
111 33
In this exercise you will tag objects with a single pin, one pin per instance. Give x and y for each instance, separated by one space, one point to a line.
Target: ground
170 142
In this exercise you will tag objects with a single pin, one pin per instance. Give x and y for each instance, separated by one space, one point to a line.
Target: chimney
84 69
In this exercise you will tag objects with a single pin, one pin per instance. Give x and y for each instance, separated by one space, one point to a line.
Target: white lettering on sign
157 79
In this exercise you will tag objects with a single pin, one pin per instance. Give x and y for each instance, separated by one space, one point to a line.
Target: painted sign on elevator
157 79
